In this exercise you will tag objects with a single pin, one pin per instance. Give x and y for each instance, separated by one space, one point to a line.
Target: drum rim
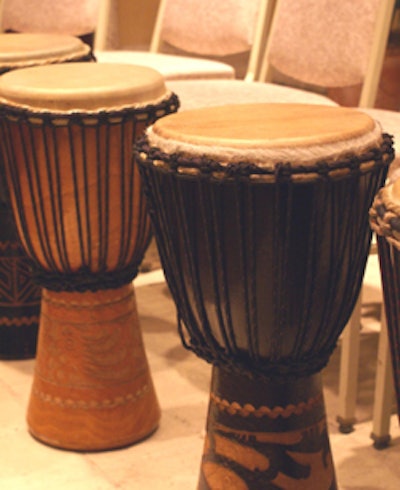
80 51
384 215
149 112
186 166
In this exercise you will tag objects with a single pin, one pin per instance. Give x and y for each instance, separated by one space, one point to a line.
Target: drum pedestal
92 388
266 434
19 296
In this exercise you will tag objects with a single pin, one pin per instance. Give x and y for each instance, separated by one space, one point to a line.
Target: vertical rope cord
357 249
60 225
360 241
101 140
106 202
339 231
190 244
211 244
335 257
159 185
88 218
314 250
32 173
53 235
125 173
252 283
277 274
342 200
52 208
77 200
287 217
389 266
11 174
271 364
396 336
144 231
219 210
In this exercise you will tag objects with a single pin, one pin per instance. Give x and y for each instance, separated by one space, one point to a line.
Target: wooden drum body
261 218
385 221
19 295
67 135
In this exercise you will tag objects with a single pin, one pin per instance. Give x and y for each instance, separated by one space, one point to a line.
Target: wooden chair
198 31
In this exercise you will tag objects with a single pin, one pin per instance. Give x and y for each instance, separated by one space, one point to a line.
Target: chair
332 44
73 17
195 31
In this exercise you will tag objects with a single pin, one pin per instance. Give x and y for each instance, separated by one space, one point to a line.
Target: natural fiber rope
53 271
207 217
281 170
142 111
385 218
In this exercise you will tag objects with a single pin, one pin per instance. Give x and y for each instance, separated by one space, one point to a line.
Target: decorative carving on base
92 387
262 439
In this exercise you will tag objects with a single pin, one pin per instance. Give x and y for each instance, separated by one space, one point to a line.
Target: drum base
266 435
92 387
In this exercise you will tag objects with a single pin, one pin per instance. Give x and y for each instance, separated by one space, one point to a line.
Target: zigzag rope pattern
93 404
234 408
19 322
84 304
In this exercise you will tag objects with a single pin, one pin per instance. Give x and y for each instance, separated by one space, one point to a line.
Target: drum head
261 132
81 87
26 49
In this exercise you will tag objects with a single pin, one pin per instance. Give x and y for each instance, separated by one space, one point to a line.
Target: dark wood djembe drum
385 221
67 132
261 218
19 295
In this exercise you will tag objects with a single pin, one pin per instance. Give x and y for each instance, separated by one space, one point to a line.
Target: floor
170 458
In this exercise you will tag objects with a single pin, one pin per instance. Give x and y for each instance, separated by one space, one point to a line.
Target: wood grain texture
92 388
281 443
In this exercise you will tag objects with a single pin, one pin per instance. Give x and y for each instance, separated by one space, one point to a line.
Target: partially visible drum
385 221
261 217
67 132
19 296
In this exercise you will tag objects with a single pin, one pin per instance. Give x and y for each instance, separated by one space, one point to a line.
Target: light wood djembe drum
385 221
19 296
261 217
67 133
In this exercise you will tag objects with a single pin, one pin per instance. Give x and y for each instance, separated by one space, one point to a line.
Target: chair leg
348 376
384 391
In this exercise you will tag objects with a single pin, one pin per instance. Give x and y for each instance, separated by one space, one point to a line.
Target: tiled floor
170 458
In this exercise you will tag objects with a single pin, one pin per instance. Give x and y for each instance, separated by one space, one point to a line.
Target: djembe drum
19 296
385 221
261 218
67 134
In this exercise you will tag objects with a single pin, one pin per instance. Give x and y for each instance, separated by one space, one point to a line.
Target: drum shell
20 301
265 275
78 196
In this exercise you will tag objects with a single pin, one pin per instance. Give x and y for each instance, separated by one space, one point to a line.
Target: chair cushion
170 66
